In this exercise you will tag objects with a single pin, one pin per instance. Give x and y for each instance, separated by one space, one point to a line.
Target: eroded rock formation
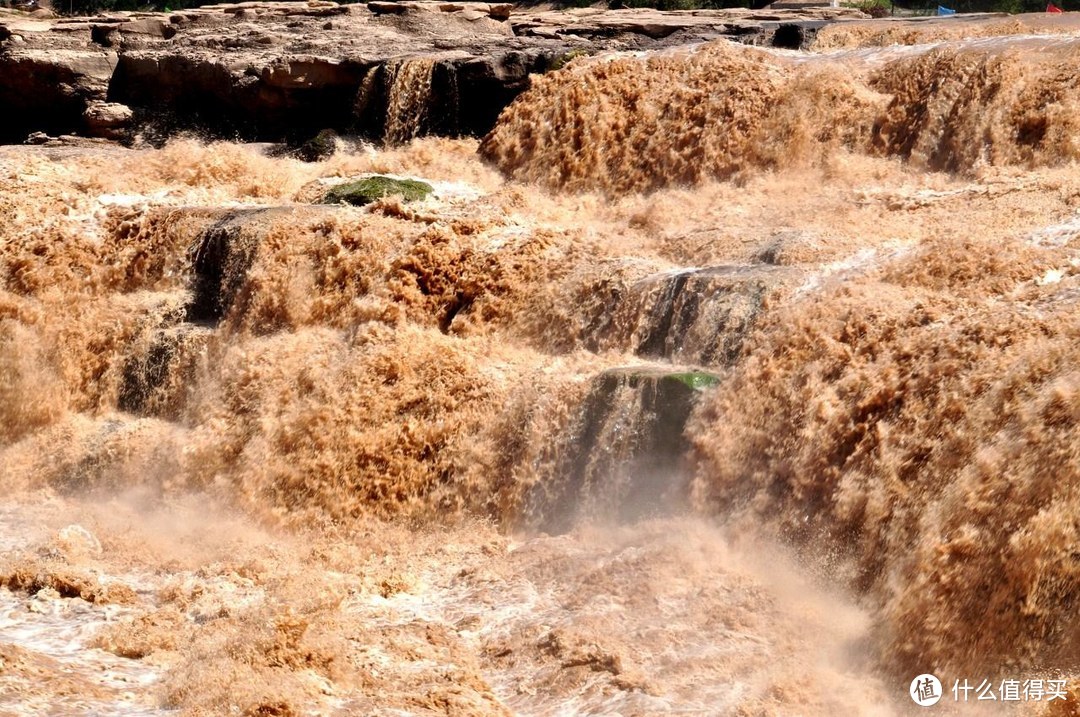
274 71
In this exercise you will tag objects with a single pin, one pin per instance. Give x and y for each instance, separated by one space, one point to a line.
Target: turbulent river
715 381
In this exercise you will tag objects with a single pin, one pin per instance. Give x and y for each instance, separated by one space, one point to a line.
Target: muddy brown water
720 381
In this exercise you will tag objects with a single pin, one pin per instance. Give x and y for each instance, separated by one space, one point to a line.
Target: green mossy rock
563 60
369 189
697 380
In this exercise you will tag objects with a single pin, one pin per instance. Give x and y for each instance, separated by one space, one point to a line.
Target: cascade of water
912 414
623 457
409 98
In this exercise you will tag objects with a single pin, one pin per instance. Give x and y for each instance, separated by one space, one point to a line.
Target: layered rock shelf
284 70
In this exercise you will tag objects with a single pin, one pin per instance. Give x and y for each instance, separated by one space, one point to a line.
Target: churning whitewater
718 380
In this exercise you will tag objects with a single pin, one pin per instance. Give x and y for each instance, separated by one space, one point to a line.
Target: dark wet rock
50 91
793 36
223 245
624 458
320 147
283 97
382 8
220 259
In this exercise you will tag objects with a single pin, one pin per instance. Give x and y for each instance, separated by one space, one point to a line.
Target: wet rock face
283 70
321 146
177 91
220 260
221 255
792 36
691 316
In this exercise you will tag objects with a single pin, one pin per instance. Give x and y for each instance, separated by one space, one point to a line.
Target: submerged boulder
320 147
367 190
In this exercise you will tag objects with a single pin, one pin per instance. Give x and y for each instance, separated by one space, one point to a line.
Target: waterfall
662 417
410 97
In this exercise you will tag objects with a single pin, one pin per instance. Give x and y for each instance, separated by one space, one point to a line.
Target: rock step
697 316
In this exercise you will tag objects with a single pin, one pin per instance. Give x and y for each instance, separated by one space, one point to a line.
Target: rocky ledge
285 70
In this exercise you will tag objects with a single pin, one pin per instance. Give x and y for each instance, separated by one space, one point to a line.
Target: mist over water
715 381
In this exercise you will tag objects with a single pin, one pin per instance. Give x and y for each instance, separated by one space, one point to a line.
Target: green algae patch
563 60
697 380
367 190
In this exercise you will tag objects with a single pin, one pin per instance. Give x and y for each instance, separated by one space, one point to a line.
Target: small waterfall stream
410 96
